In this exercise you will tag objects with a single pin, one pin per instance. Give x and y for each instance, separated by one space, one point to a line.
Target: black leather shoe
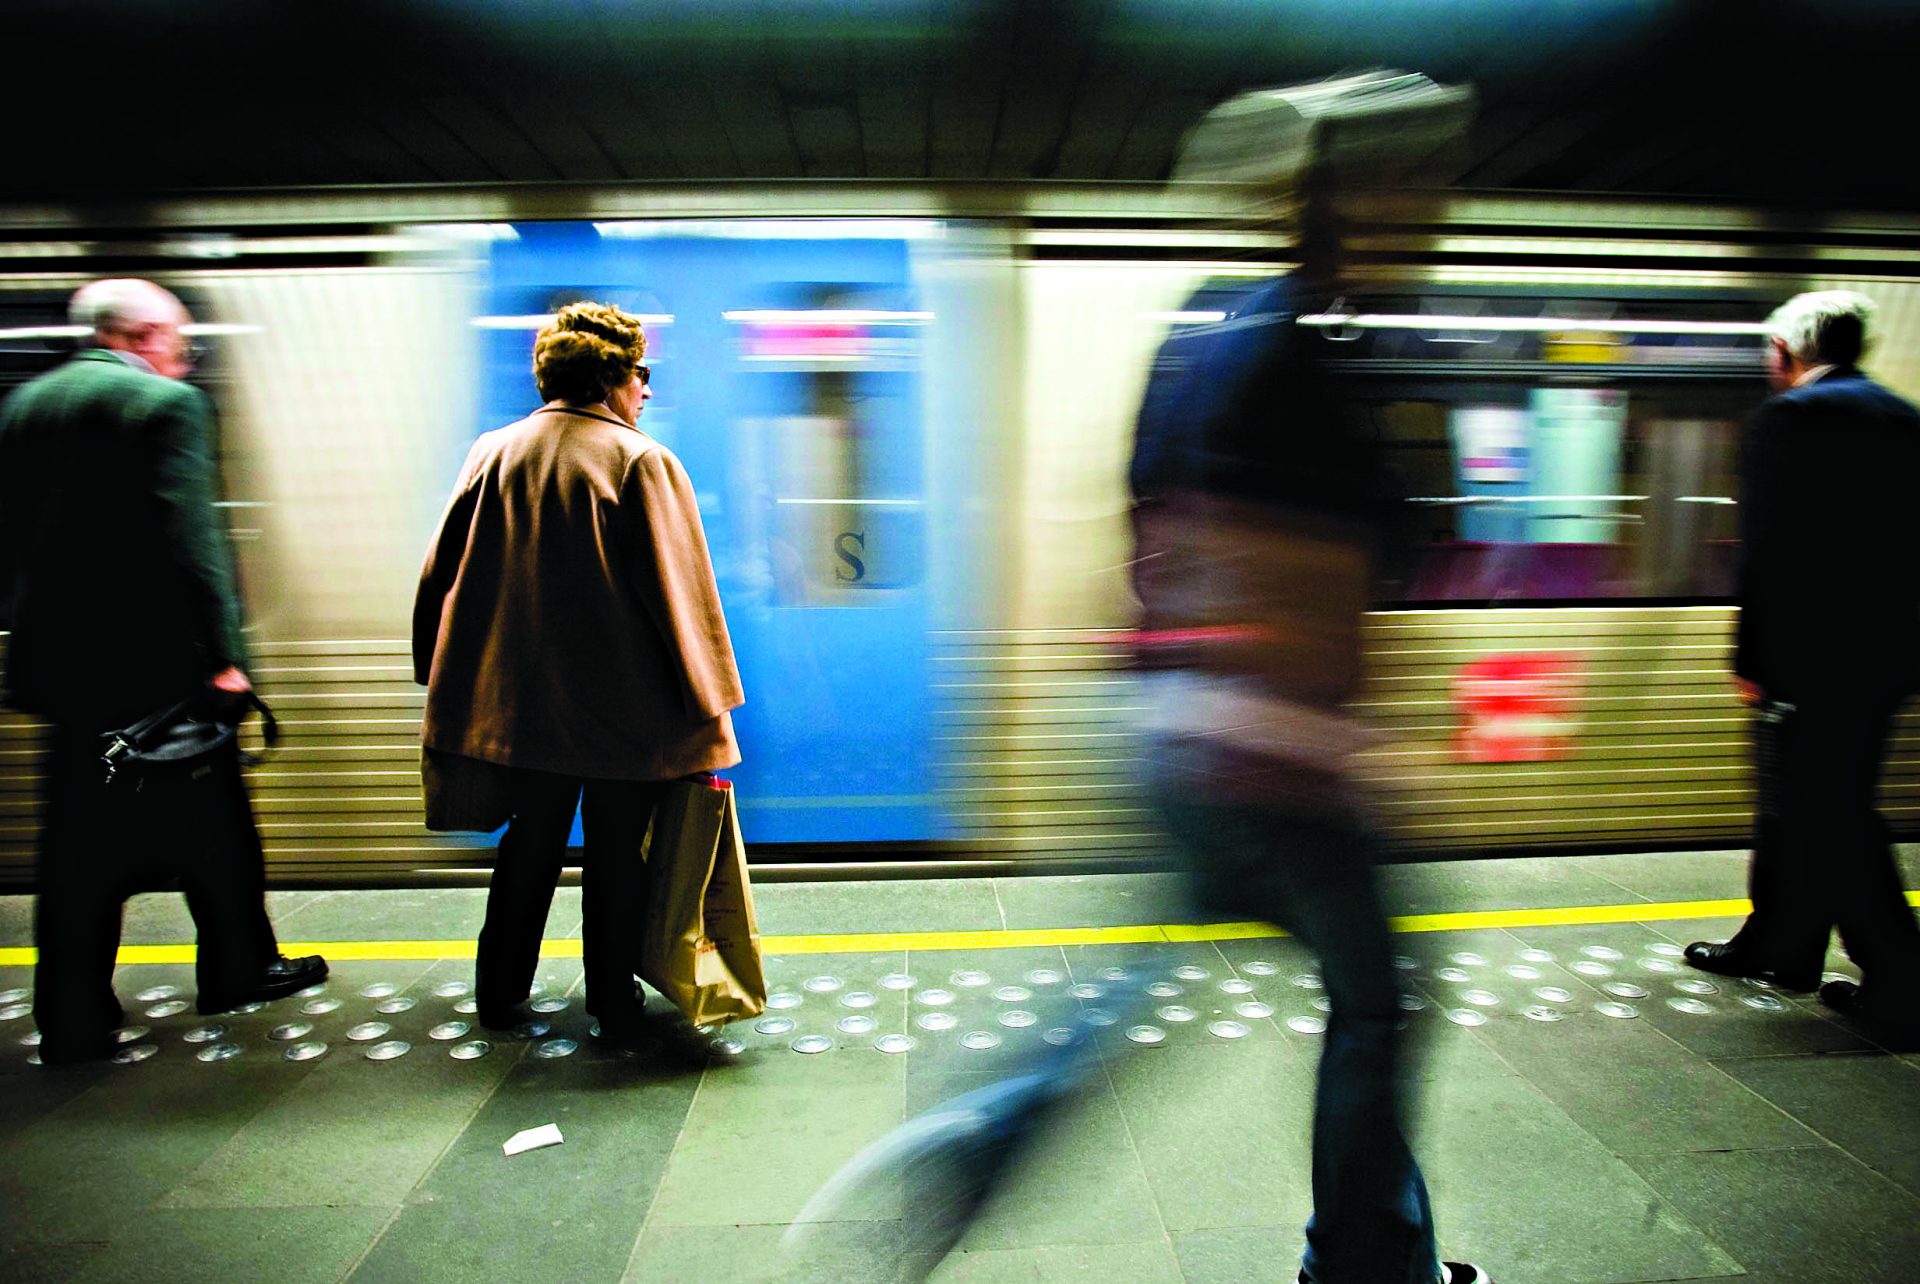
1450 1273
1724 958
278 979
1900 1019
74 1052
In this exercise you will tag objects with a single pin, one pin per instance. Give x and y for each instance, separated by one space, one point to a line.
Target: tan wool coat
567 618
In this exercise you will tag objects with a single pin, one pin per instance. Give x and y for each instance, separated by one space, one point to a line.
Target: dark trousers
615 814
1821 856
101 844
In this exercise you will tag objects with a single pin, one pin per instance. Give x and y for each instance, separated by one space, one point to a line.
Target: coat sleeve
1763 482
179 434
442 565
673 578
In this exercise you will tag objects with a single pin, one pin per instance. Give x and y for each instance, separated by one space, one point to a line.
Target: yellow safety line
997 939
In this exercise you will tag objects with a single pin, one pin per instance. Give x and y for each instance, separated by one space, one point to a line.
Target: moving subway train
908 416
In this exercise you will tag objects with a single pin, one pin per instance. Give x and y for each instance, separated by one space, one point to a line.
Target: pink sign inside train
1516 708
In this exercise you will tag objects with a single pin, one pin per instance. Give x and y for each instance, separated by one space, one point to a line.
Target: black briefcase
183 742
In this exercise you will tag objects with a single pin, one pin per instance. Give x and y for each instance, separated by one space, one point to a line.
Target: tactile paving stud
248 1009
937 1021
1454 975
1691 1006
1535 955
31 1039
218 1052
133 1055
1236 985
467 1007
935 998
1656 964
471 1050
1540 1012
452 989
1626 990
368 1031
320 1007
1309 981
897 981
822 984
1175 1013
1253 1010
1044 976
1696 985
390 1050
448 1031
1259 967
1756 983
1059 1036
395 1006
774 1025
1591 967
1619 1011
1466 1016
554 1049
1016 993
528 1030
1227 1030
856 1023
205 1034
1307 1024
1605 953
1147 1034
131 1033
379 990
1098 1017
1084 990
305 1051
1553 994
727 1046
291 1031
979 1040
14 1011
552 1003
1191 972
159 1011
1114 974
1480 998
1467 958
1322 1003
312 991
1666 949
1763 1002
858 999
152 994
1017 1019
1164 990
1406 963
1412 1003
894 1044
970 979
1523 971
781 1000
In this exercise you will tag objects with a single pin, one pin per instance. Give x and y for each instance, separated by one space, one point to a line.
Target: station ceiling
1773 101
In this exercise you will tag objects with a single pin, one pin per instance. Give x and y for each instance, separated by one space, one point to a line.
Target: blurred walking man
117 583
1828 648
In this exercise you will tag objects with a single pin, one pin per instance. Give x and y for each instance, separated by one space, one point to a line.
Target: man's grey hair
118 303
1825 327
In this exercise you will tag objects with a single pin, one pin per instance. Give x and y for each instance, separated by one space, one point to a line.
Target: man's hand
1748 692
232 679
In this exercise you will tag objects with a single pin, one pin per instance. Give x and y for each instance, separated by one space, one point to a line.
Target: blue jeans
1314 876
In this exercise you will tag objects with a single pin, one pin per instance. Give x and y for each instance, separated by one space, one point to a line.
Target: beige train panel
1581 799
1002 797
1019 718
279 803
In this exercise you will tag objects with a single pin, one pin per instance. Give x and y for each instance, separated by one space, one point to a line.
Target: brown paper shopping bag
701 945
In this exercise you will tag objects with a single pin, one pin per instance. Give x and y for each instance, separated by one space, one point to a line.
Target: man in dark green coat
117 585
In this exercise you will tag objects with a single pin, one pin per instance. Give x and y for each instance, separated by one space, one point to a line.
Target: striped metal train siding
1041 754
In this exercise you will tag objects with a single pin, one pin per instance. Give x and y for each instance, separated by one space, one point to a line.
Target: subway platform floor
1588 1112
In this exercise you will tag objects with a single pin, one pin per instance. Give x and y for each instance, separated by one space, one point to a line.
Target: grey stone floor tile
1673 876
856 1252
1240 1254
295 1245
28 1263
762 1136
1521 1189
1222 1134
907 905
1867 1104
84 1171
1093 900
1149 1262
16 919
402 914
1447 887
353 1131
156 918
1812 1215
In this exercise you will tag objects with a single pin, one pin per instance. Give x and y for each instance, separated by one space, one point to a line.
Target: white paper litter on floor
532 1139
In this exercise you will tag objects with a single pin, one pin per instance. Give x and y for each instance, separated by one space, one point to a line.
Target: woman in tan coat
568 629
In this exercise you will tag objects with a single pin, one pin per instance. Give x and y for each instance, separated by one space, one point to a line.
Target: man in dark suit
117 585
1828 648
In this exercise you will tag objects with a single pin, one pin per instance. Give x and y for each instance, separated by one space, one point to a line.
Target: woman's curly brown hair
585 352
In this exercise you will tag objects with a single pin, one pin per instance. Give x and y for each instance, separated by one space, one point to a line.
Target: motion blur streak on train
908 417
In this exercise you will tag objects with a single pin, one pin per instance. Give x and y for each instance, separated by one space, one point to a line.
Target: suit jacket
115 575
1829 586
567 618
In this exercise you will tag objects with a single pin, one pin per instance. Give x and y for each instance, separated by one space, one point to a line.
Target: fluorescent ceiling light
778 229
827 316
1535 325
46 332
1184 318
